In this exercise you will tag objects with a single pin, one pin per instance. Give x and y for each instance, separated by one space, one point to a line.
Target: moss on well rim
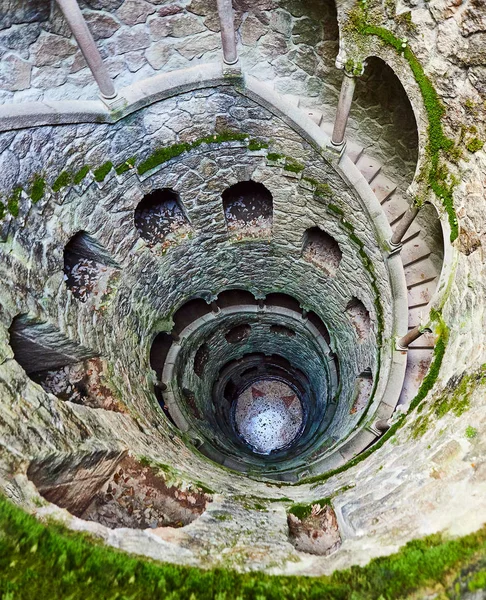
39 561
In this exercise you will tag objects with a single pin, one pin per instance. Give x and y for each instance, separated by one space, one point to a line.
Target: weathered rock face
80 318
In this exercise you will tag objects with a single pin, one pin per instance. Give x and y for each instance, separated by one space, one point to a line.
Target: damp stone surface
243 300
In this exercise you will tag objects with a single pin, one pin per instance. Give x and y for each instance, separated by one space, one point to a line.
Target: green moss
405 19
125 166
3 210
255 145
354 68
101 173
477 582
471 432
62 181
323 190
205 489
39 561
302 511
335 209
437 175
81 174
475 145
162 155
274 157
13 202
293 165
38 188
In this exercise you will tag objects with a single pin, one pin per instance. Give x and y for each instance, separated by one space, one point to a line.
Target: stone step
415 316
354 151
414 250
293 99
412 232
326 127
420 271
418 362
395 207
383 187
420 295
368 166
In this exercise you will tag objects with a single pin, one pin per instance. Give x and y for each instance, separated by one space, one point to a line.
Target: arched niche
322 250
160 218
248 210
89 269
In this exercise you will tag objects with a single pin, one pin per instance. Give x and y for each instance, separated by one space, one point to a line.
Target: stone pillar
228 35
343 110
87 45
404 224
410 337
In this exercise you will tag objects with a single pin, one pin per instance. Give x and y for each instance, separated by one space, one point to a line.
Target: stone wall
429 477
205 263
290 45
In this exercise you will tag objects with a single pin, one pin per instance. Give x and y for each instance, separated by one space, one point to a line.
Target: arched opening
189 312
160 219
248 209
238 334
360 318
283 300
234 298
201 359
89 269
381 102
116 490
322 250
62 367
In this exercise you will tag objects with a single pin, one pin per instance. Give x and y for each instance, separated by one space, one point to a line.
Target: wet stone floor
268 415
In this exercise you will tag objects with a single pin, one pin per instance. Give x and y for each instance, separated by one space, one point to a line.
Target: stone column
404 224
87 45
228 35
343 110
410 337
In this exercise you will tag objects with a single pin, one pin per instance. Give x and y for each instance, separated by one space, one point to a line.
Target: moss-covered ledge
49 561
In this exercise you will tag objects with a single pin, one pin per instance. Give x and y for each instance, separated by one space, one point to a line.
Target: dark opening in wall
380 94
282 330
238 334
230 391
89 269
314 528
189 312
364 387
283 300
190 398
159 218
201 359
360 317
86 383
39 346
248 209
322 250
115 490
158 352
62 367
234 298
319 325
